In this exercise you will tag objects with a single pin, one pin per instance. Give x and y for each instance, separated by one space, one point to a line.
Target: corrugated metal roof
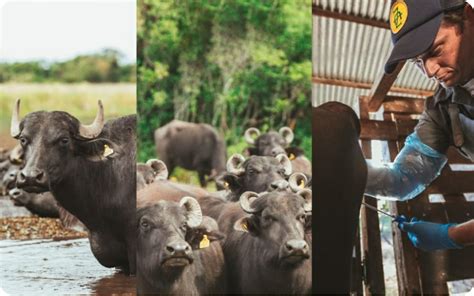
355 52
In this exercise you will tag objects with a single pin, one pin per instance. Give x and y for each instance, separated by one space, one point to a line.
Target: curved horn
234 163
159 168
245 201
15 123
297 181
93 130
193 209
249 135
285 162
287 134
307 195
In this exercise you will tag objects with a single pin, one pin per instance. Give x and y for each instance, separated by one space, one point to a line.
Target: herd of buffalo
252 235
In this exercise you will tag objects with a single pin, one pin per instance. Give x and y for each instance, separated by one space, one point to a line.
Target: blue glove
429 236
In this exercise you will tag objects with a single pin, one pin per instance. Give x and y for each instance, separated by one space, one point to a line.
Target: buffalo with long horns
90 170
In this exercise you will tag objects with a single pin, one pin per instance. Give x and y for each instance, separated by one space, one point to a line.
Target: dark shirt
448 120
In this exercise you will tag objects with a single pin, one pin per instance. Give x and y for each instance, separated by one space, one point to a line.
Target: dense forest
104 66
233 64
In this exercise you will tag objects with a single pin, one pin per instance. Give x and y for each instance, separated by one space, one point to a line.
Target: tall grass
79 99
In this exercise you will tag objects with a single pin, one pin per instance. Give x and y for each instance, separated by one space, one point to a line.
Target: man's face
450 59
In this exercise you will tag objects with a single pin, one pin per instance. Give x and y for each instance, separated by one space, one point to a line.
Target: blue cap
414 25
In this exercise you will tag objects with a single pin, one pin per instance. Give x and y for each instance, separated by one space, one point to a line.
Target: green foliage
100 67
233 64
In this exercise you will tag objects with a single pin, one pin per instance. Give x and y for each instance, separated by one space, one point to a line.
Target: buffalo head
278 219
150 171
269 144
168 233
51 142
257 173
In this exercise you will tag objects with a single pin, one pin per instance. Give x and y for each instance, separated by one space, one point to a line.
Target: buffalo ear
295 151
97 149
247 224
200 237
231 182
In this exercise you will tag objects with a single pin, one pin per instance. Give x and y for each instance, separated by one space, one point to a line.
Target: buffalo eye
301 218
268 219
64 141
251 171
282 172
144 224
23 141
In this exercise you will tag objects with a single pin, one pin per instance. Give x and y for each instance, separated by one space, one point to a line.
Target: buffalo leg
339 178
202 179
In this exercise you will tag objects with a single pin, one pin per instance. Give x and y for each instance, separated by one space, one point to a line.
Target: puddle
46 267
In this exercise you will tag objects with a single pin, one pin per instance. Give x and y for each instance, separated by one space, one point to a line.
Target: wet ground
54 265
46 267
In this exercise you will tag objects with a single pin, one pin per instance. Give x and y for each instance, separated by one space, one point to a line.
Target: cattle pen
351 41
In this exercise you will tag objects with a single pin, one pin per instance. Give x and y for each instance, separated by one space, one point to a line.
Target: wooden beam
318 10
382 86
364 85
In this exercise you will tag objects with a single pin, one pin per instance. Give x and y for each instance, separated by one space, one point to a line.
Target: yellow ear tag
204 243
107 150
244 226
226 185
292 156
301 184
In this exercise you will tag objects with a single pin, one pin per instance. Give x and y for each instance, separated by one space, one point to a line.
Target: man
438 35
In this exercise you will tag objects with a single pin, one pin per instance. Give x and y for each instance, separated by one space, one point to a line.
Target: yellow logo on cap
398 16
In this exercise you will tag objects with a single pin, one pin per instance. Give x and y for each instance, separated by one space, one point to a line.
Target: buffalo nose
297 246
279 185
178 249
276 151
14 193
31 177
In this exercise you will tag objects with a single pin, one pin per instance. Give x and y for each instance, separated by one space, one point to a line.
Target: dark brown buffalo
90 170
150 171
257 173
176 250
265 247
339 178
193 146
273 143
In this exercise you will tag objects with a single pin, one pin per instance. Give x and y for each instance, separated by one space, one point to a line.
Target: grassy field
79 100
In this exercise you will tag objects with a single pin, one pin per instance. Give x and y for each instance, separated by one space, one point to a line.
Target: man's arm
430 236
414 168
463 234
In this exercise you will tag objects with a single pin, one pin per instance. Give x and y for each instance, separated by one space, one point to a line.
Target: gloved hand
429 236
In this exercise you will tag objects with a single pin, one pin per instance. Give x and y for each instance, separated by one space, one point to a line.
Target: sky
60 30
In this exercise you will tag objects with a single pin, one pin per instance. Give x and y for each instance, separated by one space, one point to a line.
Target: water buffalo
176 250
41 204
265 247
273 143
90 170
257 173
193 146
150 171
339 179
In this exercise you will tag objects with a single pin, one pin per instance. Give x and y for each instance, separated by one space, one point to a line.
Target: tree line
232 64
104 66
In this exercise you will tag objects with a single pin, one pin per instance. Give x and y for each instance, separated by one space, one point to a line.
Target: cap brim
413 43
